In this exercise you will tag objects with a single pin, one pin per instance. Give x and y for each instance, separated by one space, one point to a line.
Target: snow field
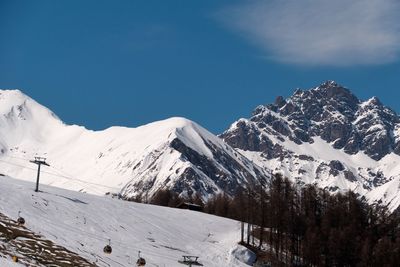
83 223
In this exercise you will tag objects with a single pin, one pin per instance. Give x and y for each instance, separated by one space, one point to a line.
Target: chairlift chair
141 261
108 249
20 220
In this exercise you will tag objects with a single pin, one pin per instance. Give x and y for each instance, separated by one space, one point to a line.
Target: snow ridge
175 154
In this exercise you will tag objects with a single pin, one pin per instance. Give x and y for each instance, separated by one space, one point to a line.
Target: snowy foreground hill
83 223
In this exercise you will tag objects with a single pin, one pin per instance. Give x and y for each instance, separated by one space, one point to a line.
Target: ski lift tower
39 161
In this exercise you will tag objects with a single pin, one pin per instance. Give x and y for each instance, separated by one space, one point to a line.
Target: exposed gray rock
350 176
336 167
247 136
280 101
306 157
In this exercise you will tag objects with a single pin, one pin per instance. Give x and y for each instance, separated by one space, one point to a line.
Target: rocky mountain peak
329 111
331 90
329 84
15 105
328 137
280 101
374 101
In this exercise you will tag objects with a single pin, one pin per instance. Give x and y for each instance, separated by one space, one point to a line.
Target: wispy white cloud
321 32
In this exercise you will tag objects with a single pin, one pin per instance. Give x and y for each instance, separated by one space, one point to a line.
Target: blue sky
104 63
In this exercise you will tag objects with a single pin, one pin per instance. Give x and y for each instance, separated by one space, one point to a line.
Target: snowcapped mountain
175 153
61 223
328 137
324 136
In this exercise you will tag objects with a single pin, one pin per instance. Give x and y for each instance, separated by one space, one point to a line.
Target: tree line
309 226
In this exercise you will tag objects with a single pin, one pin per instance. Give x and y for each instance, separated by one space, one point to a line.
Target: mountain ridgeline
323 136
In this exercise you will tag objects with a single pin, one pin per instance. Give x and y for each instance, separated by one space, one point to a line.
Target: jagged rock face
224 170
329 111
201 174
230 179
249 137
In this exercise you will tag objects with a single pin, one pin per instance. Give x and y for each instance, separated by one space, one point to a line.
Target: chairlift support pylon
39 161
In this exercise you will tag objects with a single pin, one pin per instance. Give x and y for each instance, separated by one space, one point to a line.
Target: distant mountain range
324 136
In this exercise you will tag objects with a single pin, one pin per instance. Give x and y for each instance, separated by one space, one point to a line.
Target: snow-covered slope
328 137
175 153
83 223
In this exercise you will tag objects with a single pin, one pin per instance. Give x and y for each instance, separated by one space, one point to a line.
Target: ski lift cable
58 175
26 167
55 174
14 157
76 179
65 175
